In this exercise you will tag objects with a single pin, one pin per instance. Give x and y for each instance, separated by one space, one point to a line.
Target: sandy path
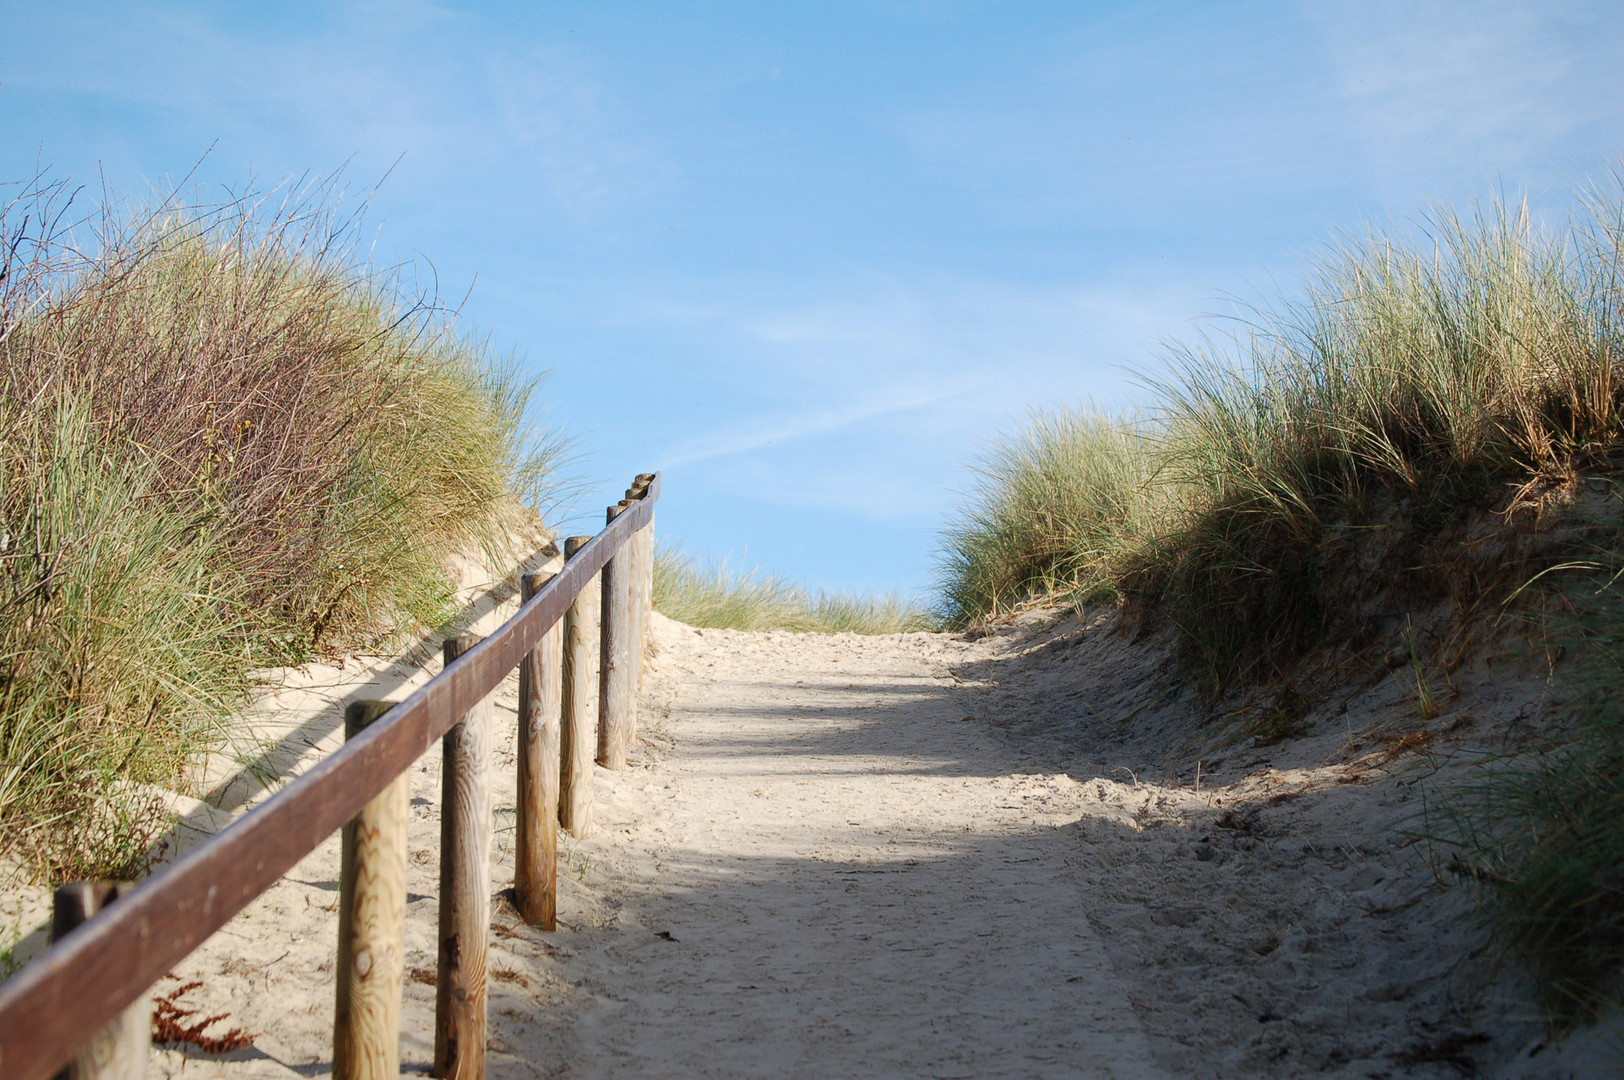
930 857
838 874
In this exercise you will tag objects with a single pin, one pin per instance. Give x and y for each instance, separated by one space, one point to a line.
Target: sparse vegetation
715 595
1543 834
226 444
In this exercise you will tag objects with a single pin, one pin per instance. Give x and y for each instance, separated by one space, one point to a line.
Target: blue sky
809 259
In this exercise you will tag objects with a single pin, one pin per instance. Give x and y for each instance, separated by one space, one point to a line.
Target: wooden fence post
643 588
119 1050
645 581
633 563
465 890
371 926
578 737
617 690
535 875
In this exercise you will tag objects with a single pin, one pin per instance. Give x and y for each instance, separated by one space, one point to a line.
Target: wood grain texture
371 926
643 543
83 982
642 546
535 874
617 687
465 890
633 562
578 736
119 1050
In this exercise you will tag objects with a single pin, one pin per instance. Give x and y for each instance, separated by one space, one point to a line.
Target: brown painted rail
87 979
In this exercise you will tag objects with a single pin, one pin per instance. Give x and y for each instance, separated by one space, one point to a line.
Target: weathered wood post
119 1050
371 926
578 737
644 480
617 686
465 890
643 545
535 874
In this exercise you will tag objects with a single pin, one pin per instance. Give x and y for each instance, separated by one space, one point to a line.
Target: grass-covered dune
225 443
1426 427
1470 363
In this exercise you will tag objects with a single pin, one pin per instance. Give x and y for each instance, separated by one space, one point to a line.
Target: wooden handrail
85 980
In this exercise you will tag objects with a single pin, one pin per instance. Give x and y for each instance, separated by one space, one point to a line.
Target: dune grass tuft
1056 509
227 443
716 595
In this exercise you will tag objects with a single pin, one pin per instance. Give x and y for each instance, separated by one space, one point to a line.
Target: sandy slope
926 856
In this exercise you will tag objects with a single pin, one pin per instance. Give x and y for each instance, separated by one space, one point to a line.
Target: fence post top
459 644
359 714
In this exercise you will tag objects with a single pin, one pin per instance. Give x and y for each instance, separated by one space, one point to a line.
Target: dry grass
715 595
227 444
1057 508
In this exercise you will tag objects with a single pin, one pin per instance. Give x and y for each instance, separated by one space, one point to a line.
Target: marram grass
226 444
1439 367
1056 509
1463 365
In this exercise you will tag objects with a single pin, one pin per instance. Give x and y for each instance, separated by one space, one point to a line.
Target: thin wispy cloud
817 256
780 429
434 87
1216 112
1486 83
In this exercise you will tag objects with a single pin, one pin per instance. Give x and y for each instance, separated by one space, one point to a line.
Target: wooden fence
82 1006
